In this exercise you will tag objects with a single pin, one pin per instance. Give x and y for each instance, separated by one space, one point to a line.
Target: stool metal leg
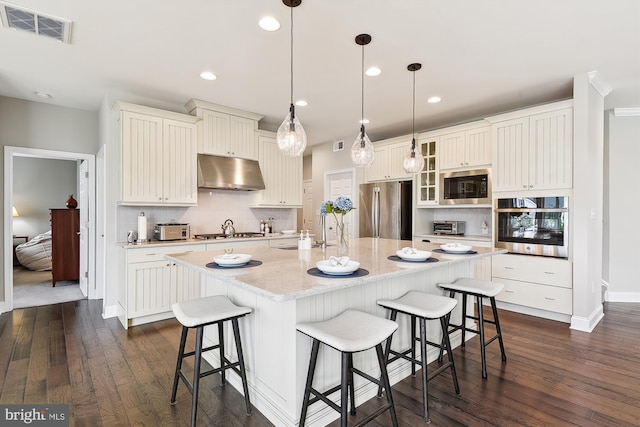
176 378
387 349
221 349
447 342
498 330
196 375
386 384
243 373
307 389
344 389
481 330
423 359
352 391
464 317
413 345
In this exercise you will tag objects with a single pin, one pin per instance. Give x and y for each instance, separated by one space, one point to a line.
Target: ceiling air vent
19 18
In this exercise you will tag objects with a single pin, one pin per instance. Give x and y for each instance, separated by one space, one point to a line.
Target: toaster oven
448 227
171 231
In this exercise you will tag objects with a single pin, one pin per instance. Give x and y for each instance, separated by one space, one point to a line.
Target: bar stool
350 332
479 289
422 307
197 314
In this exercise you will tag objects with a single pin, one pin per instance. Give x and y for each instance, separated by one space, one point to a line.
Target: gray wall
39 185
43 126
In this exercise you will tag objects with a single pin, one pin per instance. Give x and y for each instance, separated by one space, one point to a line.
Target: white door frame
9 154
354 197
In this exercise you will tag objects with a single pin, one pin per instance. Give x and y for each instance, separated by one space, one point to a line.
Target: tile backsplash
473 218
214 207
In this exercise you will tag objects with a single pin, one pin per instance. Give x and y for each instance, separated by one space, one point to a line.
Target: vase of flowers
339 208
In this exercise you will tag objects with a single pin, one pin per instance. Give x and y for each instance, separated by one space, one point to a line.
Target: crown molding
626 112
600 85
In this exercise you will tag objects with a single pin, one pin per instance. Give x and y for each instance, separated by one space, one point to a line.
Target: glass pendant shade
362 150
291 137
413 162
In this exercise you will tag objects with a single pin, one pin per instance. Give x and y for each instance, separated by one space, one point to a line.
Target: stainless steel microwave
470 187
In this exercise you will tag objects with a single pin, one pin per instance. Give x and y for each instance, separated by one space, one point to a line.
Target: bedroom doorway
84 166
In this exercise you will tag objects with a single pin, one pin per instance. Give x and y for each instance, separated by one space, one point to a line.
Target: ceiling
481 57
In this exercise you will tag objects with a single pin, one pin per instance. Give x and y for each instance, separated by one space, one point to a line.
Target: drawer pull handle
151 254
550 299
507 291
508 268
549 272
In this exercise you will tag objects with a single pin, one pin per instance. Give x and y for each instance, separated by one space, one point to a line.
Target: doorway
86 184
342 183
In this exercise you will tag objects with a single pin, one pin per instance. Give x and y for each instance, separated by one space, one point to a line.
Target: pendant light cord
291 56
362 131
413 124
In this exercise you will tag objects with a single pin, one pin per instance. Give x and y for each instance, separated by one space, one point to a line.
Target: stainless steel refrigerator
385 210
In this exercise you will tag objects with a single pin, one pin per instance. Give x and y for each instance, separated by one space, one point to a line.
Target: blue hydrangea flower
343 205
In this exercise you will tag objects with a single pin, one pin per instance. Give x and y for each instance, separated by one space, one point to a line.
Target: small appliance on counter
448 227
171 231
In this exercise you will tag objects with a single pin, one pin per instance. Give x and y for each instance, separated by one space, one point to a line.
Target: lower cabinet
538 282
153 283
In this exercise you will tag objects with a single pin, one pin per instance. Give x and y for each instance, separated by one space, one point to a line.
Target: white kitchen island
282 294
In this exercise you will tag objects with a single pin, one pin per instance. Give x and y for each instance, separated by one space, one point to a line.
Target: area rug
40 291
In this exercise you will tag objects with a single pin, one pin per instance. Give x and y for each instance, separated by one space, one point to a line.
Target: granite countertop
158 243
461 237
283 274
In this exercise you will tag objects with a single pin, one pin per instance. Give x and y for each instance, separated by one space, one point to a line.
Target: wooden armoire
65 244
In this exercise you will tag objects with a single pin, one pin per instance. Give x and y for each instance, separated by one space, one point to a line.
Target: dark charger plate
252 263
397 258
358 273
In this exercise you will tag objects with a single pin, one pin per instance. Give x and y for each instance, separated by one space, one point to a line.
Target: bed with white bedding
36 253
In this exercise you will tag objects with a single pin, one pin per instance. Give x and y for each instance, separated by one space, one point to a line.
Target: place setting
411 254
455 249
231 260
337 267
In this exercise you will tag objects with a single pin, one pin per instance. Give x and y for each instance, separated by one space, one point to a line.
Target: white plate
417 256
337 270
288 231
231 260
455 248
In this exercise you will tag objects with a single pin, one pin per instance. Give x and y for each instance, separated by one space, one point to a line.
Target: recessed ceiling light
208 75
364 121
269 23
373 71
42 95
434 100
302 103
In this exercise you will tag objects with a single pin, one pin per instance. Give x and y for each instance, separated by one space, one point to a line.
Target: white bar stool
479 289
197 314
350 332
421 306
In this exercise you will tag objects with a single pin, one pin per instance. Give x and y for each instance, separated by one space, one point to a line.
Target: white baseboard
587 324
622 296
551 315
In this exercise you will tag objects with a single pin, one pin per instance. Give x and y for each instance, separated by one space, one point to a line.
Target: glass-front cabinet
427 185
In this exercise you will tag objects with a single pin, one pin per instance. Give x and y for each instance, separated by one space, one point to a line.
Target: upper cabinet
388 159
533 148
158 156
427 186
225 131
465 148
282 175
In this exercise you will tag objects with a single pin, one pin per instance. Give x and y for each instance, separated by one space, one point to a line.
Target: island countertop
283 276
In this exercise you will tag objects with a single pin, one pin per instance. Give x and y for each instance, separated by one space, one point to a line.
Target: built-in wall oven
533 225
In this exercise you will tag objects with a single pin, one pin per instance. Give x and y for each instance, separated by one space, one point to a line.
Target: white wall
621 235
39 185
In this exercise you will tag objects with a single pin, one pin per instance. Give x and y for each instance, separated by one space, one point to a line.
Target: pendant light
362 148
413 163
291 137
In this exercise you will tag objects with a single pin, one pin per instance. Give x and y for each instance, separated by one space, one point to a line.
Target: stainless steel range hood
229 173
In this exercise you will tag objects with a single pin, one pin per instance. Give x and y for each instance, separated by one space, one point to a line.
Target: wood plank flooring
66 353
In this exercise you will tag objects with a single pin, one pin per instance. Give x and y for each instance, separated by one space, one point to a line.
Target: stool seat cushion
202 311
485 288
421 304
350 331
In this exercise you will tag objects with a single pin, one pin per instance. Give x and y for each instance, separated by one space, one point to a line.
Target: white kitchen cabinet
282 175
533 151
158 157
225 131
428 182
388 160
153 283
465 149
539 282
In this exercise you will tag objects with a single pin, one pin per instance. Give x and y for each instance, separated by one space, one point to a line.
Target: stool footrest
370 417
323 397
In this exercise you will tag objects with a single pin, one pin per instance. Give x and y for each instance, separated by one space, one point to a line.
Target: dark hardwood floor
66 353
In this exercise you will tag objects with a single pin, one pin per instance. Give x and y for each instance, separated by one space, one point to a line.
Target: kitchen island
282 293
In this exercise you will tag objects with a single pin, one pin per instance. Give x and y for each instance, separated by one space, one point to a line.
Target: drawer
526 268
158 253
543 297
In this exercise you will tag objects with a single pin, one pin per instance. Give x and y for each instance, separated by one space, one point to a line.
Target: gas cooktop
227 236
